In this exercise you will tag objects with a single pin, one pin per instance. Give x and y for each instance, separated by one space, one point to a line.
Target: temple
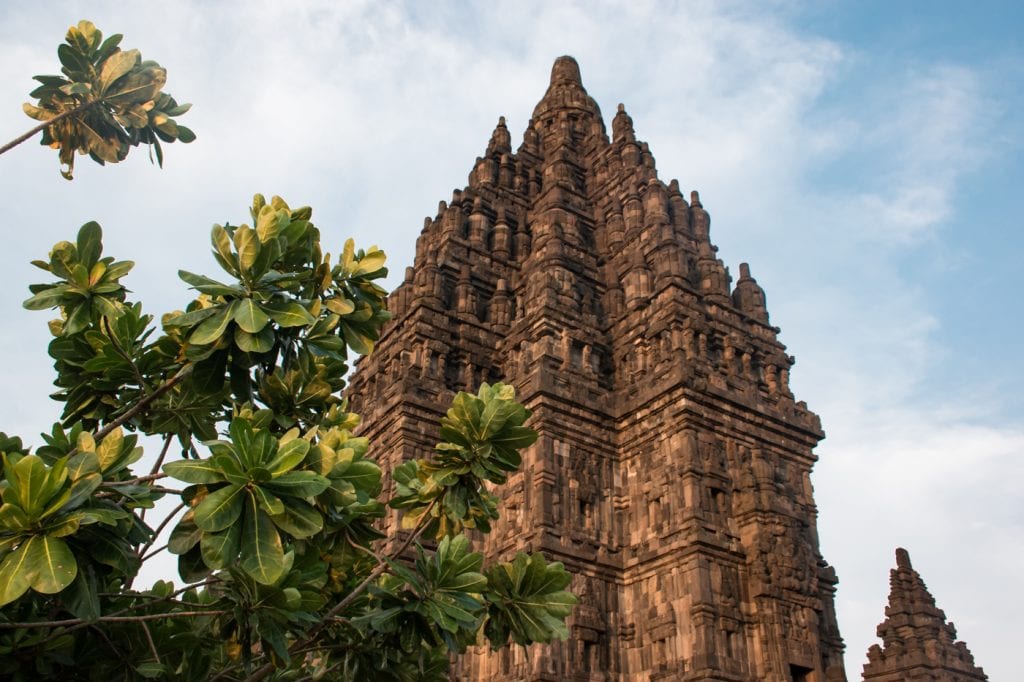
672 474
918 644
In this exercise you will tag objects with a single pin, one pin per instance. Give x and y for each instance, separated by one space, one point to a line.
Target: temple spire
917 641
565 92
566 71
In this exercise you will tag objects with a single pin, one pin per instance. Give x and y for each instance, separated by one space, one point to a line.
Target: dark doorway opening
800 673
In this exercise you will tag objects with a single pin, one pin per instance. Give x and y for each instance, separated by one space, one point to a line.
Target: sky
864 157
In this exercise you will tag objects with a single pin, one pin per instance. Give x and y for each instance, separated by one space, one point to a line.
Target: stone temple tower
918 644
672 475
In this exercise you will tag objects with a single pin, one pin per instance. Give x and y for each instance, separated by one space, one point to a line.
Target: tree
277 531
108 100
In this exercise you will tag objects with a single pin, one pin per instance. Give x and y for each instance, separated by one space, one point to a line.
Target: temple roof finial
566 71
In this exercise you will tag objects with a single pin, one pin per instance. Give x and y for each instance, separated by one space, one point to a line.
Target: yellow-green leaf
250 317
262 552
220 509
115 66
248 247
16 572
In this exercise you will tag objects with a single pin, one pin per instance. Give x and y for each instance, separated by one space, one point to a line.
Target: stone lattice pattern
918 644
672 475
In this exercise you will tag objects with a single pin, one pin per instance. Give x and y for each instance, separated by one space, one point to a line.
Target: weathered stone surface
672 475
917 642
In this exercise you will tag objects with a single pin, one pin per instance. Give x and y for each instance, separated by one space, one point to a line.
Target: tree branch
180 376
46 124
109 619
78 623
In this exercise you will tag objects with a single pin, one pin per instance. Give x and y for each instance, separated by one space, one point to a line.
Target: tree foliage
107 101
277 532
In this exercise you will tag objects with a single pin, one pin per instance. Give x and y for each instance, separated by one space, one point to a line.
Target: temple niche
672 473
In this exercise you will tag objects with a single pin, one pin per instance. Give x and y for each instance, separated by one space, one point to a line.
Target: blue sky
864 157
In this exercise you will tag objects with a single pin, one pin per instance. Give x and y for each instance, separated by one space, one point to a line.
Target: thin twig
153 553
153 472
163 453
160 528
152 644
117 651
137 480
365 549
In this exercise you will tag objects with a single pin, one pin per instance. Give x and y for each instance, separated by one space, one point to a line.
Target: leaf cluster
107 101
482 436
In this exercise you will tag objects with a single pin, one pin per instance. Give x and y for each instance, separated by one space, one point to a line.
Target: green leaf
28 481
299 484
267 501
527 601
250 317
254 448
194 471
340 305
213 327
82 488
220 509
287 313
16 572
89 243
184 536
185 135
289 456
117 65
363 475
220 549
262 552
248 246
299 519
255 343
48 298
81 595
51 562
190 318
12 518
222 248
269 222
151 669
357 341
209 286
516 437
141 85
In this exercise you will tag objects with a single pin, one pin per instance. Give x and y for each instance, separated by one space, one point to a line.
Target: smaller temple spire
748 296
917 641
501 139
622 126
